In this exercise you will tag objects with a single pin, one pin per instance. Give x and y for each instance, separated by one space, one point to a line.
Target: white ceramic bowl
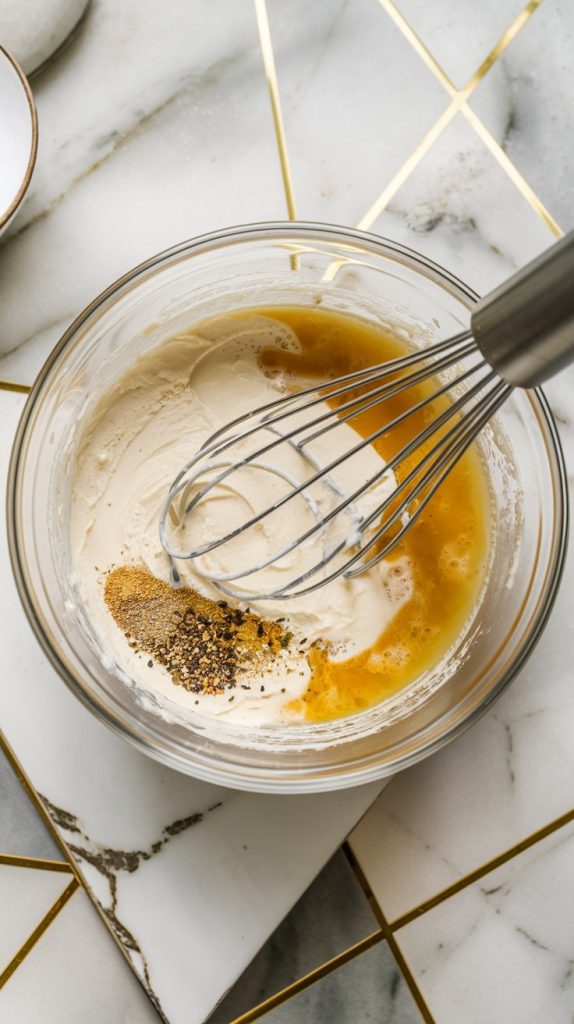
18 137
37 30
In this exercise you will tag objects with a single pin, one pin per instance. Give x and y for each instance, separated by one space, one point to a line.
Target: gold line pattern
484 869
273 86
62 845
459 104
31 792
420 150
22 389
512 171
386 930
498 49
38 931
309 979
34 863
364 884
469 879
418 45
408 976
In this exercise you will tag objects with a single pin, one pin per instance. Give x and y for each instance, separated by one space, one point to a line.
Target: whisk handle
525 328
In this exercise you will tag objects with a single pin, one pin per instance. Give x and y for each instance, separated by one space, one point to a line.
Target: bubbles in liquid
398 581
429 586
393 657
420 631
454 561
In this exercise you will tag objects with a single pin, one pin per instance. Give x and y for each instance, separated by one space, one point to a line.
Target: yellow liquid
447 546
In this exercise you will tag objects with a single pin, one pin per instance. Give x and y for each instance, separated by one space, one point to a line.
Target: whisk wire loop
454 452
362 402
448 460
473 395
520 335
350 499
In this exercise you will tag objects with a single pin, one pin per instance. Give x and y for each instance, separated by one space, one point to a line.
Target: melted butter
447 546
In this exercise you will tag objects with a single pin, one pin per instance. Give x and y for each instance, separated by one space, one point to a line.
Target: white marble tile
501 951
22 830
460 208
75 973
527 102
26 895
175 863
507 777
155 126
460 33
428 829
124 67
22 363
349 124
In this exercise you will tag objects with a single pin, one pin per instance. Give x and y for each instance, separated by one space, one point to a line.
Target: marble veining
144 121
512 930
109 862
428 830
74 974
527 105
170 882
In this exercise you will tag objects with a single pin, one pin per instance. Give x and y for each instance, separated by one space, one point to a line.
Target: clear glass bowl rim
316 231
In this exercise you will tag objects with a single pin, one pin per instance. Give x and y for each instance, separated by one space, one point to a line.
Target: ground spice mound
206 646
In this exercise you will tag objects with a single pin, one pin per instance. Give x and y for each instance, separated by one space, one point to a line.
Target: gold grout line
387 931
512 171
462 883
420 150
63 846
378 206
38 804
500 46
458 97
29 788
362 880
484 869
309 979
39 931
408 975
7 385
418 45
427 57
34 863
273 86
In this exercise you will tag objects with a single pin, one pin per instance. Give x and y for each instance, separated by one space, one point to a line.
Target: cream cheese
133 444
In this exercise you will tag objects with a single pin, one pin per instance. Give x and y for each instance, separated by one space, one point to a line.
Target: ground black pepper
205 645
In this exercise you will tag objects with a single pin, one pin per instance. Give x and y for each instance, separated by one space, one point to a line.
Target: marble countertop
445 126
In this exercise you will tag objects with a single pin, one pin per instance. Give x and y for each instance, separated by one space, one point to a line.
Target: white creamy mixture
136 440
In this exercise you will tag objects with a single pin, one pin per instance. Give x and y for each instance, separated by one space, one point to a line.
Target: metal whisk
520 335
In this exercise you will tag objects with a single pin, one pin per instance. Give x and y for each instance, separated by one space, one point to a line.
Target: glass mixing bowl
272 264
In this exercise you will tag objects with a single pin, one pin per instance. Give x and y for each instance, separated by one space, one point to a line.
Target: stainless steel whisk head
520 335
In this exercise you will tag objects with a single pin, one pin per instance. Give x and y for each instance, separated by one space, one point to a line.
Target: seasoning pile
205 645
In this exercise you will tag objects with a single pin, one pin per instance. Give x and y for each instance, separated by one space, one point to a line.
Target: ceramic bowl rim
9 213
